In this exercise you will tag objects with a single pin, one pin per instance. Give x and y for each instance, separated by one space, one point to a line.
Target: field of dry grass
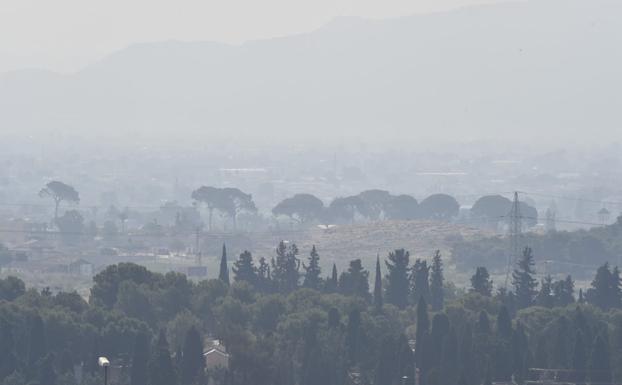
344 243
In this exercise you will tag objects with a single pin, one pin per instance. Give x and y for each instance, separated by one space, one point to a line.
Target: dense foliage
283 323
576 252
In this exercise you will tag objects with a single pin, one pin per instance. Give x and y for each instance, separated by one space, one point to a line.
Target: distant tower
515 225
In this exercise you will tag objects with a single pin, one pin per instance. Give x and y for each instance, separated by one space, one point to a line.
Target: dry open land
338 245
365 241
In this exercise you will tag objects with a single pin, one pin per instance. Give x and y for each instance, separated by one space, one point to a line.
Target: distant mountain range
545 70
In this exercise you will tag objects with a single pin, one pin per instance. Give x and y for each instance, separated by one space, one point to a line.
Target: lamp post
104 363
404 380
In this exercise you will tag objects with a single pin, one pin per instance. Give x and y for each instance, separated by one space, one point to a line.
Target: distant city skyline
66 35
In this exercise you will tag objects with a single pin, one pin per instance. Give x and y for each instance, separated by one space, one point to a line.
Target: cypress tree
161 369
467 365
563 292
520 353
560 346
427 372
440 328
504 323
506 298
600 361
481 282
312 371
545 297
616 347
38 341
264 280
355 281
616 288
224 269
244 270
332 282
579 358
192 362
353 336
541 357
581 324
423 327
312 271
420 280
397 279
406 361
449 358
8 357
503 364
482 346
286 268
139 373
600 294
386 369
46 374
483 323
334 318
524 281
90 366
378 287
437 297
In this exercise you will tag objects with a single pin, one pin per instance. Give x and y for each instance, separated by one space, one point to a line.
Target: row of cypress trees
283 275
404 283
155 365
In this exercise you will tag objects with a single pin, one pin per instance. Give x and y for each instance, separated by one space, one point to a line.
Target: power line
158 235
567 263
556 220
587 200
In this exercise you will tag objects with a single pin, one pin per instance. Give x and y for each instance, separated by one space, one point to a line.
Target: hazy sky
64 35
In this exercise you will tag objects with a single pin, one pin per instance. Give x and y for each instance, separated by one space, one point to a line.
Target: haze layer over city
301 193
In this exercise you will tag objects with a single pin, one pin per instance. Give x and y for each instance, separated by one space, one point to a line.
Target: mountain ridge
511 70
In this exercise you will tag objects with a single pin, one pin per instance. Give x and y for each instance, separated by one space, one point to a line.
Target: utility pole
515 223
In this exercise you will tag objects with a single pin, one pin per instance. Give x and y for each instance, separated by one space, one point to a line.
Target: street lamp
104 363
404 380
